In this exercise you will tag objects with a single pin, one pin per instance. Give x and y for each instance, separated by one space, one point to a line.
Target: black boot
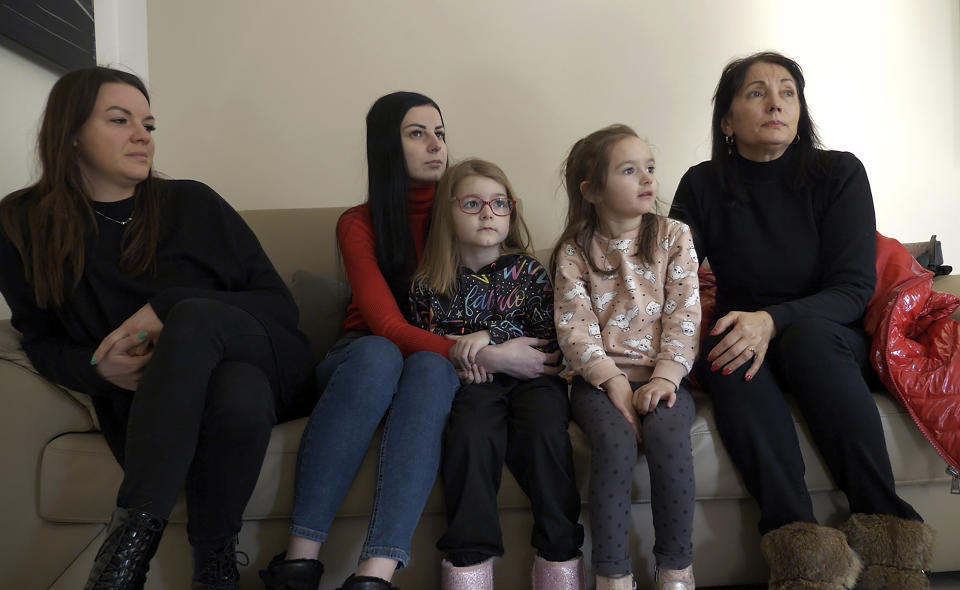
366 583
124 558
215 565
292 574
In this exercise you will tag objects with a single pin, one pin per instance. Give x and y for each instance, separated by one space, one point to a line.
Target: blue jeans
368 380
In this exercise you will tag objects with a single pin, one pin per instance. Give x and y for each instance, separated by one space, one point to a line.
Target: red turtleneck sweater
373 306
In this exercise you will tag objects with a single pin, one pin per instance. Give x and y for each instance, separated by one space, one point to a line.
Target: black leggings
201 418
823 364
523 424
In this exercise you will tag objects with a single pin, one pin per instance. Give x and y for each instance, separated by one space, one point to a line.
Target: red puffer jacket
915 345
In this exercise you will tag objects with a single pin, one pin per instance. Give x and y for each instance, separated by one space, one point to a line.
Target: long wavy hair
388 182
588 161
724 157
441 254
49 221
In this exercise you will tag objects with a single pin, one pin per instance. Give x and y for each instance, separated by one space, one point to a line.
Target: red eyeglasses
473 205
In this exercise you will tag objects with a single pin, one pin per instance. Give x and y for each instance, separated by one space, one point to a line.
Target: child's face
631 188
483 229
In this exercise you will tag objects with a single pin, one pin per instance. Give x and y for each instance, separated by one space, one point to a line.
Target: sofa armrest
948 284
33 411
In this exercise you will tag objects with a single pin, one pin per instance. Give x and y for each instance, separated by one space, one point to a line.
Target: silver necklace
124 222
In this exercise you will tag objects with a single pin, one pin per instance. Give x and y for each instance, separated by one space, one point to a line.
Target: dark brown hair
48 222
588 161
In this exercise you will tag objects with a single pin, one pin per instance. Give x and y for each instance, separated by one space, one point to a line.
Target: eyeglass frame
513 205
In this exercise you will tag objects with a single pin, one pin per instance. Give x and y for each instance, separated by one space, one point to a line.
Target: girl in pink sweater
627 312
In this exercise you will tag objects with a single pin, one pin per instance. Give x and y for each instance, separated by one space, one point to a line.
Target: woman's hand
620 394
144 325
648 396
464 351
120 366
518 358
748 339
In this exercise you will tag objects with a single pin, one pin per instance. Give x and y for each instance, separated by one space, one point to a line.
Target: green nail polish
93 360
142 335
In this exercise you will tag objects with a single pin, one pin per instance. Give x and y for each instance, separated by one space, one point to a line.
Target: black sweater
205 250
794 254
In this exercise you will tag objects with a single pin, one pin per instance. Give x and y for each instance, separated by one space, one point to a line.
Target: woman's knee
197 316
240 401
374 353
436 376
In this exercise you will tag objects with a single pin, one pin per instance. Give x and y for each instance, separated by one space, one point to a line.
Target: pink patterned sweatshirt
639 320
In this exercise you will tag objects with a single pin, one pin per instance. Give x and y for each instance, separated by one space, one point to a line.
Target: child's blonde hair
588 162
441 255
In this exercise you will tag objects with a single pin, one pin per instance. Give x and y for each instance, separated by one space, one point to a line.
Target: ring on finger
752 350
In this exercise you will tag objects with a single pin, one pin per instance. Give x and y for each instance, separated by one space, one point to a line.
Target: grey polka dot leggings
666 440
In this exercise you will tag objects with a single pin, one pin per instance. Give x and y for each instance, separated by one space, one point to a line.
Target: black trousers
823 364
201 418
523 424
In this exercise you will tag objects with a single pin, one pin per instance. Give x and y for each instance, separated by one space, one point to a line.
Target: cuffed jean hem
313 535
401 556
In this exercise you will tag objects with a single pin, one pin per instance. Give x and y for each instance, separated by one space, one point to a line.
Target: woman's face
764 114
115 145
424 144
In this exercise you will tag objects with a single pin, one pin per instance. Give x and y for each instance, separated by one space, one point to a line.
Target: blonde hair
588 161
441 255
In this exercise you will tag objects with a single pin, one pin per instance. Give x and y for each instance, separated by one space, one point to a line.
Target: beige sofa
60 479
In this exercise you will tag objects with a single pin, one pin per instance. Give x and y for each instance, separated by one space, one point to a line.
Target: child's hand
619 392
463 354
648 396
474 374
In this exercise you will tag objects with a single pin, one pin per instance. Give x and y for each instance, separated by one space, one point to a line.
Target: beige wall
25 87
265 101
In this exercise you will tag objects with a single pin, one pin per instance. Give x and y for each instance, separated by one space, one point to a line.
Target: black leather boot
124 558
292 574
215 565
366 583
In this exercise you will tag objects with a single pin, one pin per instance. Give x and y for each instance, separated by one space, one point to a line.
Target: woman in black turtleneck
789 231
155 298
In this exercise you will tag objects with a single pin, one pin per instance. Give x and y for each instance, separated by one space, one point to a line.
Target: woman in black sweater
154 298
789 232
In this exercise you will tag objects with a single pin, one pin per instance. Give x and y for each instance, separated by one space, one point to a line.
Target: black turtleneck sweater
793 253
205 250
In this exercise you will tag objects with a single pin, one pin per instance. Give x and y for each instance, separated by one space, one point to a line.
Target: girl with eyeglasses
478 284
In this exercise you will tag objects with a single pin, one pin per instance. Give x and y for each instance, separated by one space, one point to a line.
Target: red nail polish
714 367
727 371
749 377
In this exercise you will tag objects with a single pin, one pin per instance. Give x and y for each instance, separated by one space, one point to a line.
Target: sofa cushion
323 306
79 477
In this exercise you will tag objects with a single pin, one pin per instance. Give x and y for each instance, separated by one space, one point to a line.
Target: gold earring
729 141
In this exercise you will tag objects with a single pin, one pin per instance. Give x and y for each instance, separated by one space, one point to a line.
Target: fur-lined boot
895 552
807 556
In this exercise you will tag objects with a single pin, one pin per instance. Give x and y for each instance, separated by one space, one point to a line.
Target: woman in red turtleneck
383 369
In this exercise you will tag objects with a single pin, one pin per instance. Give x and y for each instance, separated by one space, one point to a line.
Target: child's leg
540 456
613 456
666 440
474 443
